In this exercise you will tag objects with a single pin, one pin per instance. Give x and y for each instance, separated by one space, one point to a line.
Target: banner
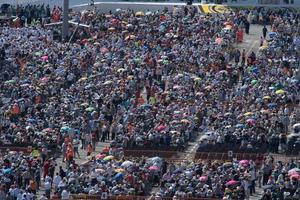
214 9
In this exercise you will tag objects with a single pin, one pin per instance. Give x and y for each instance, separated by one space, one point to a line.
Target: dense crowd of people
148 81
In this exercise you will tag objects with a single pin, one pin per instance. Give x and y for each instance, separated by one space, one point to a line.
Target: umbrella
82 79
218 40
295 177
10 82
89 109
154 168
107 158
118 176
160 128
130 37
39 53
99 156
240 126
251 122
204 137
120 170
127 163
267 97
49 130
65 128
107 82
146 106
272 105
296 126
227 164
100 170
263 47
185 121
203 178
232 182
248 113
253 82
294 170
111 29
272 34
45 58
139 14
280 91
244 162
121 70
156 159
84 104
7 171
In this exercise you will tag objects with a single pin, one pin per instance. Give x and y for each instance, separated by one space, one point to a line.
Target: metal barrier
98 197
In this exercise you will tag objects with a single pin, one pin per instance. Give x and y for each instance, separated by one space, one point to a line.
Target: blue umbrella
31 120
272 34
118 176
7 171
272 105
146 106
65 128
240 126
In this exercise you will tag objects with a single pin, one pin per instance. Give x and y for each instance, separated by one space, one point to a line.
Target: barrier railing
98 197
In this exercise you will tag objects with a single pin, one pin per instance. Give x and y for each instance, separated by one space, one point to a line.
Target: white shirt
47 185
65 195
56 180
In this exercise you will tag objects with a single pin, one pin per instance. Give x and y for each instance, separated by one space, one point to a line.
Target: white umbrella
127 163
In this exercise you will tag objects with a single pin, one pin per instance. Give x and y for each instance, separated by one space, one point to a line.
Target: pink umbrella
44 79
295 176
154 168
49 130
251 122
232 182
160 128
203 178
103 50
244 162
292 173
45 58
100 156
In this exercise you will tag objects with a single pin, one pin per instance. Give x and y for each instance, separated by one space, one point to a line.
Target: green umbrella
89 109
10 82
253 82
38 53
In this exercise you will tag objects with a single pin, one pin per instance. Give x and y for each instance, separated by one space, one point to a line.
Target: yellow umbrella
107 158
280 92
139 14
266 97
130 77
262 47
111 29
130 37
248 113
120 170
83 79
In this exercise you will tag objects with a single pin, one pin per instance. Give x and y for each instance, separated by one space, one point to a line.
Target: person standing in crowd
265 31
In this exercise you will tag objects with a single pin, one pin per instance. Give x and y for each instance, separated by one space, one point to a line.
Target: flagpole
65 25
